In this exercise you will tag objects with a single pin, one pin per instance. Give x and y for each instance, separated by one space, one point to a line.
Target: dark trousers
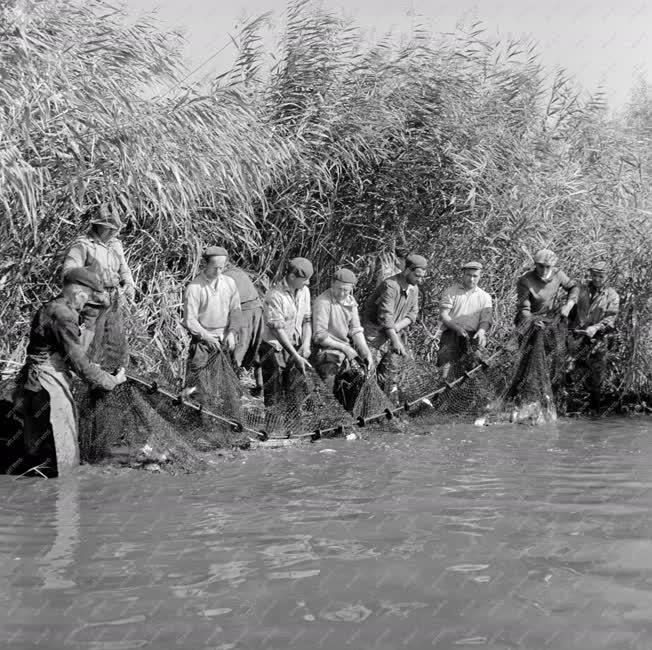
591 361
34 406
327 366
246 352
452 350
274 365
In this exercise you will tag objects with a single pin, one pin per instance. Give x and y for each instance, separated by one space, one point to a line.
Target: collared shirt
285 309
55 330
392 300
107 259
597 307
537 297
468 307
247 291
331 317
211 306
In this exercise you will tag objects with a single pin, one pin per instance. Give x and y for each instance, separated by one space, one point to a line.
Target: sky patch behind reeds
601 43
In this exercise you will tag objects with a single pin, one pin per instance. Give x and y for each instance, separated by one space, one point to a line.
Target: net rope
152 419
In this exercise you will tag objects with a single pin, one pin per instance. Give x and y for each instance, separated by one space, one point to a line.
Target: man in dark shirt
55 350
389 311
537 290
593 318
393 307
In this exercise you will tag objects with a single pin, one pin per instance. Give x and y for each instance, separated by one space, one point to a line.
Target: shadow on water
497 537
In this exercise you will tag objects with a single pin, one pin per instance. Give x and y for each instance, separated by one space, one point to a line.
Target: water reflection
61 555
496 537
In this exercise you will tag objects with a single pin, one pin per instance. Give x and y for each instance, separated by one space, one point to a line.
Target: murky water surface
502 537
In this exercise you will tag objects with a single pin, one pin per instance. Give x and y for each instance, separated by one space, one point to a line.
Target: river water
444 537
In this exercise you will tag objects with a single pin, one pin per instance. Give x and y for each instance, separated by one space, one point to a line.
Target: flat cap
545 256
473 266
301 267
345 275
84 277
213 251
415 261
103 215
598 265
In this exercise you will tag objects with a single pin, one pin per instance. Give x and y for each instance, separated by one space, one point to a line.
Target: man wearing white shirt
211 311
466 314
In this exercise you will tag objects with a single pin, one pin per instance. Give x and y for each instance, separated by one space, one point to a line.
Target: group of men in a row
223 311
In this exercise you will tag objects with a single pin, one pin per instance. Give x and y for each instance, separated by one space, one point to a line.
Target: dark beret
344 275
415 261
84 277
301 267
473 266
213 251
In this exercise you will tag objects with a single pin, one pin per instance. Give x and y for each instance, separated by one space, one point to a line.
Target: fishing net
214 411
308 406
152 419
124 423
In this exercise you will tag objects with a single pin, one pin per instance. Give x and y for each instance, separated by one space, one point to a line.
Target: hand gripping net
146 418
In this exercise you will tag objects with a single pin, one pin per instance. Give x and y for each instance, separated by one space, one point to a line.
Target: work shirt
247 291
596 307
211 306
392 300
535 296
55 331
285 309
330 317
107 259
468 307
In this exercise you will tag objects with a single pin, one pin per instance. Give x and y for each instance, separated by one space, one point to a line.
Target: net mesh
151 419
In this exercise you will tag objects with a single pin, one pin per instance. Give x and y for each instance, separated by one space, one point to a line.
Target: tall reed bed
457 146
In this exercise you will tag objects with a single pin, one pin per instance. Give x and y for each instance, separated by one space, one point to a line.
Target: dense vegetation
458 147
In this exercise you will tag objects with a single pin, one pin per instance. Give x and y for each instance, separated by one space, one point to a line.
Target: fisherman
337 332
466 314
537 290
101 252
211 313
44 392
593 319
249 335
393 307
287 330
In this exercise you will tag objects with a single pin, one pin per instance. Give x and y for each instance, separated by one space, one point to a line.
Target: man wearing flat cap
536 290
211 313
393 307
55 351
100 251
287 329
466 314
594 317
337 333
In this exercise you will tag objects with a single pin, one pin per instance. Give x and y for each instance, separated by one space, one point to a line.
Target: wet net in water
214 411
